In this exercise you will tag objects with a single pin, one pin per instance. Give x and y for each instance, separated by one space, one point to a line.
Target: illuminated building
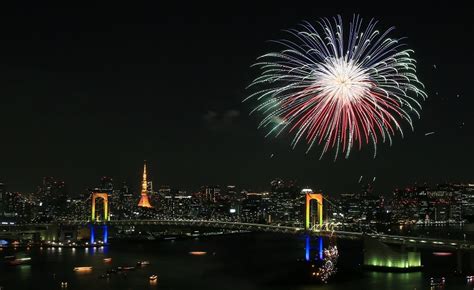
165 190
286 205
2 199
254 207
106 184
16 206
467 201
53 196
124 202
144 202
212 193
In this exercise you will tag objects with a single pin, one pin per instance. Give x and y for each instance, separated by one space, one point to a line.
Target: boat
83 269
198 253
442 254
19 261
126 268
107 260
153 278
143 263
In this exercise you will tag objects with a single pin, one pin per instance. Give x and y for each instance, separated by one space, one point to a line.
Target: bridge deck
420 242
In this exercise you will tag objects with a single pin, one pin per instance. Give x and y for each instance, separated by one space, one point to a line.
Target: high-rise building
2 199
144 202
212 193
124 202
467 202
106 184
52 195
286 204
231 194
165 190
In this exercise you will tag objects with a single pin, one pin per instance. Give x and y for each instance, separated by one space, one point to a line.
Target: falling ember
337 90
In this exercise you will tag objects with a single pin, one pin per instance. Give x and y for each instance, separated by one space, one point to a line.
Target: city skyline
138 187
82 112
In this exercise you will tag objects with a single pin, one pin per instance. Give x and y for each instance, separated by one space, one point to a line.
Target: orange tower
144 202
319 199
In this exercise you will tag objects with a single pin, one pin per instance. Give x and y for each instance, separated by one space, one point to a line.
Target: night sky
88 91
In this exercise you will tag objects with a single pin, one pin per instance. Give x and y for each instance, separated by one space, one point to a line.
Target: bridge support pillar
320 248
307 248
105 234
92 235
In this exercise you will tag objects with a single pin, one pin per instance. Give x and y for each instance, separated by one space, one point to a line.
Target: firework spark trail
338 92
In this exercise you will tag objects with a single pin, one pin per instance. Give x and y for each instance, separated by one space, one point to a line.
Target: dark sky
87 91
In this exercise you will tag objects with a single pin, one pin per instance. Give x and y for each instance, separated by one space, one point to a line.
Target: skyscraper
2 199
52 195
144 202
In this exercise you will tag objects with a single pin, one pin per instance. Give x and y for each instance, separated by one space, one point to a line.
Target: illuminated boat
153 278
83 269
19 261
143 263
198 253
127 268
442 254
107 260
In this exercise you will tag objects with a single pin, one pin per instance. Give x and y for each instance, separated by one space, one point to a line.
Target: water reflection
177 269
323 265
25 270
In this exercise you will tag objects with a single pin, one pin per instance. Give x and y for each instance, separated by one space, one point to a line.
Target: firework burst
338 90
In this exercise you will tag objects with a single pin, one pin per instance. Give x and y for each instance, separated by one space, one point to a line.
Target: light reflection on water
262 261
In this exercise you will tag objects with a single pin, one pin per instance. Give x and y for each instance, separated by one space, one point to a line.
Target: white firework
338 91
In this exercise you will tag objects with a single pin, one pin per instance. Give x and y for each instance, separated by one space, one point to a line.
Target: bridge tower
318 197
105 197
